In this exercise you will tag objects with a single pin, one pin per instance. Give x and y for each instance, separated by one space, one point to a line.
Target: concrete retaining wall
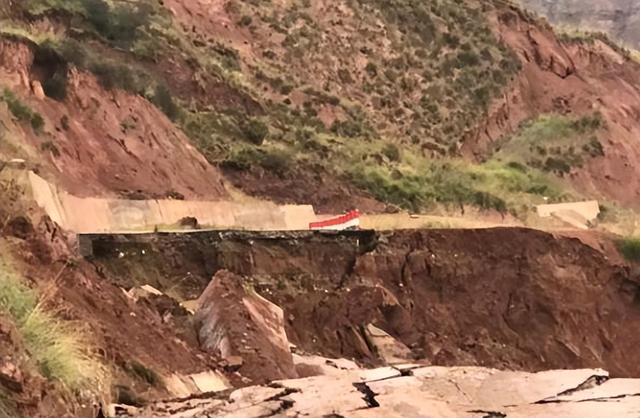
587 210
97 215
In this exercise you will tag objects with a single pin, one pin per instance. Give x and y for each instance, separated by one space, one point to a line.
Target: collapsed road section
508 298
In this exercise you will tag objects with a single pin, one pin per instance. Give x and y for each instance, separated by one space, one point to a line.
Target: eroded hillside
338 104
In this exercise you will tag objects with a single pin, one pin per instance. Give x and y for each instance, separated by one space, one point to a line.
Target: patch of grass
419 184
255 131
56 346
554 143
21 111
629 247
452 183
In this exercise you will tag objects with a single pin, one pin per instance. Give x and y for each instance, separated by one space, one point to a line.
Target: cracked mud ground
416 391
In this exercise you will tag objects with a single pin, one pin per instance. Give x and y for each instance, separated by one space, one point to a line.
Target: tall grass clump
56 346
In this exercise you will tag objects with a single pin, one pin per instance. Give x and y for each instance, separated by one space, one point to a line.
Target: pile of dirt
508 298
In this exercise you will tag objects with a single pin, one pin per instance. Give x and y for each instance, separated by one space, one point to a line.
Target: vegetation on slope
399 111
554 143
446 53
22 112
630 248
57 347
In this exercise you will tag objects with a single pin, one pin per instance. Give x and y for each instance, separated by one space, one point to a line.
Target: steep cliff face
619 18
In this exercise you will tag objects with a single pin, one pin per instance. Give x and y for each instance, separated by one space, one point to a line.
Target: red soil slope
577 78
99 142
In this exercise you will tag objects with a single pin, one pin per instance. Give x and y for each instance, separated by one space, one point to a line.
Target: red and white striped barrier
350 220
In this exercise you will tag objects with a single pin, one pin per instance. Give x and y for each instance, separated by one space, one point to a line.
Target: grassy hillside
378 95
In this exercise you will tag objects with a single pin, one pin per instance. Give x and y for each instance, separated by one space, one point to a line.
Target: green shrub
255 131
50 147
22 112
392 152
594 148
371 69
557 165
118 24
348 128
116 75
245 20
274 160
630 248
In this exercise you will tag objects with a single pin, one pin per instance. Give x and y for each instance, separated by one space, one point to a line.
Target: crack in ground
369 395
285 392
601 399
591 382
405 372
488 414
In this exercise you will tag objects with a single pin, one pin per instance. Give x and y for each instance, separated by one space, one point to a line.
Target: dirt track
506 298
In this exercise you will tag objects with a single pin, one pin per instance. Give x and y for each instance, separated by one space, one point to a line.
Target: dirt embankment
506 298
576 79
140 340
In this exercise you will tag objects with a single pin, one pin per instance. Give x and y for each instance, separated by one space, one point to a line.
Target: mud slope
506 298
98 142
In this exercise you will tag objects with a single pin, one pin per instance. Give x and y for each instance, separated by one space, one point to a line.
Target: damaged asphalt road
424 392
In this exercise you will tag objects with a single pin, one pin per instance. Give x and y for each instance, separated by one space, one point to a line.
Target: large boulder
233 320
